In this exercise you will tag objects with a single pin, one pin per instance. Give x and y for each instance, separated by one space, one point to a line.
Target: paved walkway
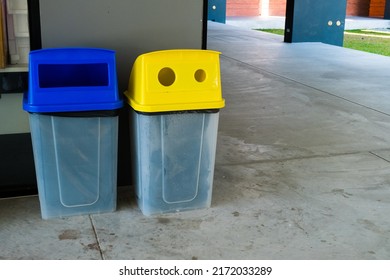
278 22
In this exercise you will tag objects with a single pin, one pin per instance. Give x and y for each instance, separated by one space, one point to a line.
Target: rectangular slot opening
73 75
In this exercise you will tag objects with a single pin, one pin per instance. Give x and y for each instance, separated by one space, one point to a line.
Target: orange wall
277 7
242 7
377 8
373 8
358 7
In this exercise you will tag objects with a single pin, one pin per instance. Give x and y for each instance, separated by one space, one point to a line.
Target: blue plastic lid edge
70 107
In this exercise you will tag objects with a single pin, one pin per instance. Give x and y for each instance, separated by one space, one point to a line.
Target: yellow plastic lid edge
176 107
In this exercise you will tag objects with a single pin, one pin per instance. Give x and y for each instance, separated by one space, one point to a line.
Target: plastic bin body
76 164
174 156
175 96
73 101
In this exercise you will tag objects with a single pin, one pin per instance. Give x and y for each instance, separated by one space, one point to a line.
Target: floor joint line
96 238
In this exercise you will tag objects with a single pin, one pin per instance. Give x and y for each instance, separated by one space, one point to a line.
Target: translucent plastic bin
174 156
76 164
175 97
73 103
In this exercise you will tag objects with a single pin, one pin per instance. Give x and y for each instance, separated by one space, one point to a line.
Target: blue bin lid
72 79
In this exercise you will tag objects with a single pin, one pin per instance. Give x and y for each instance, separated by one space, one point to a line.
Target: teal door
217 10
315 21
387 10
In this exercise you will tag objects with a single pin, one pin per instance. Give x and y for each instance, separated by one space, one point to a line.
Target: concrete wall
129 27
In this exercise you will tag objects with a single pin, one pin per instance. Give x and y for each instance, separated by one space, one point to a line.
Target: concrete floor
302 170
351 22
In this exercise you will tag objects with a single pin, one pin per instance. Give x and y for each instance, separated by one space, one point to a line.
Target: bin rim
179 50
57 108
72 48
176 107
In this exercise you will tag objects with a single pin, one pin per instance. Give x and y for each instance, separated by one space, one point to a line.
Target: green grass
369 32
273 31
369 44
362 40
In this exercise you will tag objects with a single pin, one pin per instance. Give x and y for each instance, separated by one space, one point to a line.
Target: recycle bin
72 100
174 98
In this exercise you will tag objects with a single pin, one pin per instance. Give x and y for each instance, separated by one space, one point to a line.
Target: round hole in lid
200 75
166 76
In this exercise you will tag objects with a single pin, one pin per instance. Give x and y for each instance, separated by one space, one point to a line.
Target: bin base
174 158
76 164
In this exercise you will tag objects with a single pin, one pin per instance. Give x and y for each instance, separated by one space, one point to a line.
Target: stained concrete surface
302 168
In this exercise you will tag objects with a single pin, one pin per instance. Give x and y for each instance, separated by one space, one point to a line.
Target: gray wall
12 117
130 27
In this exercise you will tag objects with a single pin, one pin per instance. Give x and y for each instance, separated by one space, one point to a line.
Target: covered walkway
302 171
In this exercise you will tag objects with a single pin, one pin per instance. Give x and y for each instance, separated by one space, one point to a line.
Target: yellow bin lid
175 80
